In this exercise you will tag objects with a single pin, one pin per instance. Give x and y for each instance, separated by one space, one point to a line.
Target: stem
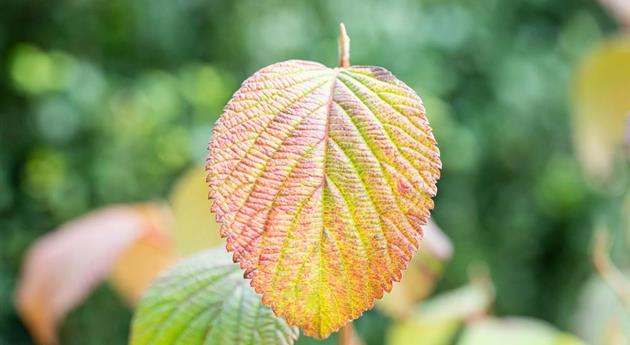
607 269
344 47
347 335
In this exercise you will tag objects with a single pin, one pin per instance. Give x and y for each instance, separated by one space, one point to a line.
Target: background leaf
194 228
205 300
421 276
515 331
602 107
437 320
322 179
64 266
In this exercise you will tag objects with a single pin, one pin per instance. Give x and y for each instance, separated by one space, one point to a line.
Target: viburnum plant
321 180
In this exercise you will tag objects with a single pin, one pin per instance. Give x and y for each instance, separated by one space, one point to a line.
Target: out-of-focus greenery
108 101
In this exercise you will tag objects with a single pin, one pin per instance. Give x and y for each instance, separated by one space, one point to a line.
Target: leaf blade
204 300
323 191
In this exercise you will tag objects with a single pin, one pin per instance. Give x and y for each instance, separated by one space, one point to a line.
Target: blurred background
107 102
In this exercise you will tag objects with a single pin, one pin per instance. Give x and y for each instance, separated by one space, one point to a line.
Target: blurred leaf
194 227
137 266
205 300
437 320
601 106
421 275
514 331
599 313
620 9
62 267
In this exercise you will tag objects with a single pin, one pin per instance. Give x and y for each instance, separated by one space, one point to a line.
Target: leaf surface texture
321 180
205 300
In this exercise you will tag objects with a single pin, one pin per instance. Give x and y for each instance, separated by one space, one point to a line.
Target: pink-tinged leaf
321 180
620 9
62 267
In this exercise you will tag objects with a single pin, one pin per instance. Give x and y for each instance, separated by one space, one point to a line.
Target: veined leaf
321 180
205 300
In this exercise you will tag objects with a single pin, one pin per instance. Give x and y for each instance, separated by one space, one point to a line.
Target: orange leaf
136 268
62 267
322 179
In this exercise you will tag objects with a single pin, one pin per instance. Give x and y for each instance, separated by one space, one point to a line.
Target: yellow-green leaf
205 300
322 179
437 320
602 107
515 331
194 228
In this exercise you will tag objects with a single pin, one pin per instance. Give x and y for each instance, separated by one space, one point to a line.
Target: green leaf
205 300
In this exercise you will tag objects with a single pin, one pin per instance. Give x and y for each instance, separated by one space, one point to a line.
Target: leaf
194 229
62 267
137 266
602 107
421 276
598 312
321 179
437 320
205 300
515 331
620 9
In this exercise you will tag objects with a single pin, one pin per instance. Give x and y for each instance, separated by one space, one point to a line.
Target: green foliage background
108 101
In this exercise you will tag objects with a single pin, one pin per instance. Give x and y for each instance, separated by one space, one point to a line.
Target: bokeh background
109 101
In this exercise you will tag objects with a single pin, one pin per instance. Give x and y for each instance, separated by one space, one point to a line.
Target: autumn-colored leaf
205 300
65 265
321 179
139 264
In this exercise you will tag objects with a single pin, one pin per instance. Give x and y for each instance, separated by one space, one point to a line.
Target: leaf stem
607 269
347 335
344 47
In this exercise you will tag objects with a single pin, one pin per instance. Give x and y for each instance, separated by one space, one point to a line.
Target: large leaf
62 267
205 300
322 179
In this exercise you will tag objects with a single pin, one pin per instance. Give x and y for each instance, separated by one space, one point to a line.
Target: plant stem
346 333
607 269
344 47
